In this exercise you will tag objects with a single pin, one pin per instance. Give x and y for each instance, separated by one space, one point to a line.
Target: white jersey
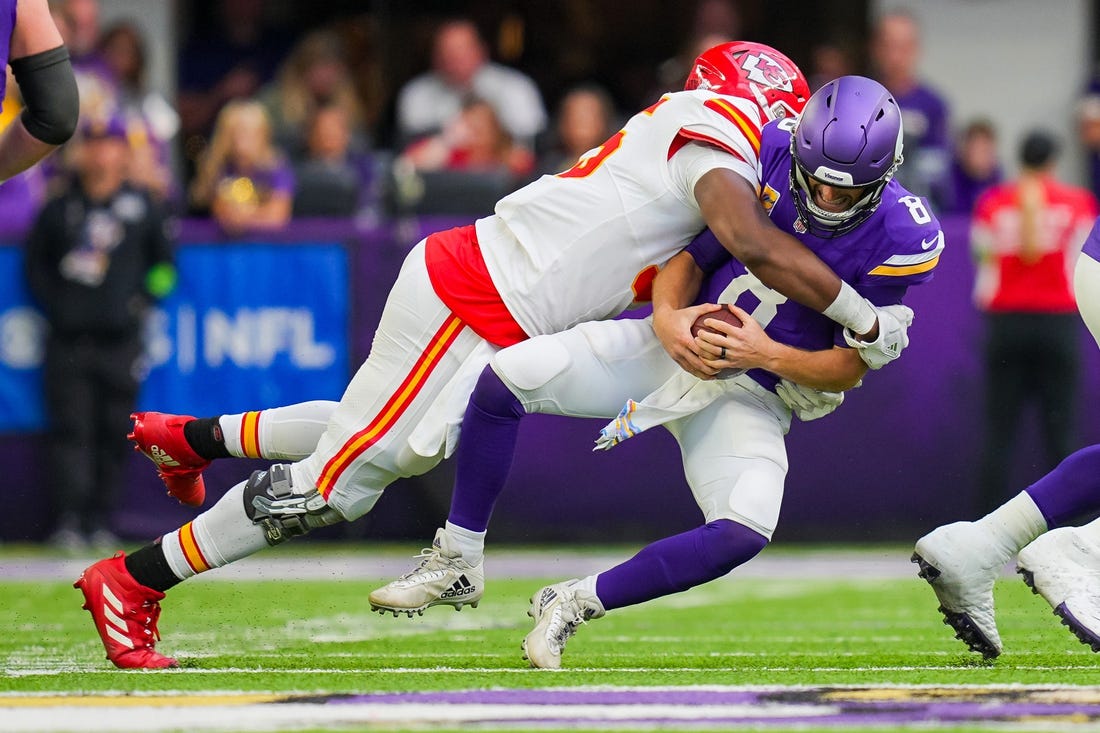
584 244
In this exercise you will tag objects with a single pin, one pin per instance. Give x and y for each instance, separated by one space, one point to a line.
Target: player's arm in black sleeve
733 212
41 66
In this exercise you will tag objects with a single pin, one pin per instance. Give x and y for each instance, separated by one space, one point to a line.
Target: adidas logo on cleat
461 587
114 625
161 458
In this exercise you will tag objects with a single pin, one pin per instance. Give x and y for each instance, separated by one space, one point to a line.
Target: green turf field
318 637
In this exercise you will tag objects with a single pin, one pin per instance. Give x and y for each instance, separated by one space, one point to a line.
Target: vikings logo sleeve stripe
913 269
908 270
912 264
394 407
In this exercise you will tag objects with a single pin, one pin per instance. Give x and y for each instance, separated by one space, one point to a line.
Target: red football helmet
755 72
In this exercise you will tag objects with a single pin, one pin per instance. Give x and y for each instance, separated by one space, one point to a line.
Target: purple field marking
823 706
728 708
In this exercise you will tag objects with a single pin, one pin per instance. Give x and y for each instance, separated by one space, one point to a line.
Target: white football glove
893 336
806 402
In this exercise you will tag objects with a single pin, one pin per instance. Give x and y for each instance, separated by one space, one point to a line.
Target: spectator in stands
829 60
151 121
974 167
78 22
1026 236
712 22
585 120
475 141
314 75
461 68
97 255
895 54
230 59
331 180
243 178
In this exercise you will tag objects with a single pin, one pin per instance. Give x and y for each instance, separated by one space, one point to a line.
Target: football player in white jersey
1061 562
574 247
870 230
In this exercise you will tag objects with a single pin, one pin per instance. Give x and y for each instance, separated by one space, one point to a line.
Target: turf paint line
865 566
37 671
713 707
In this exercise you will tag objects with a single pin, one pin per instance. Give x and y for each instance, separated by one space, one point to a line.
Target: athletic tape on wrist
850 309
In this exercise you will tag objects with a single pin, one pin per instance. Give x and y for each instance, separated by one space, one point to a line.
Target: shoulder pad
914 238
735 118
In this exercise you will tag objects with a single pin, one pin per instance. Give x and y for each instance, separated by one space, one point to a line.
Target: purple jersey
7 25
925 118
279 178
898 246
1092 244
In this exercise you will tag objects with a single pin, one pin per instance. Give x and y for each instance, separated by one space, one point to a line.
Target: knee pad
271 502
529 365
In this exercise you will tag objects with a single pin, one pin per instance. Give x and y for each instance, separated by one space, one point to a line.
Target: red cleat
125 613
160 437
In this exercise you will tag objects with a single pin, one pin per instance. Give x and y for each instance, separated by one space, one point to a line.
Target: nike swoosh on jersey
929 243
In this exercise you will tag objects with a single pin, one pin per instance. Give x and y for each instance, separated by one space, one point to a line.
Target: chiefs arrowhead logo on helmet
754 72
763 69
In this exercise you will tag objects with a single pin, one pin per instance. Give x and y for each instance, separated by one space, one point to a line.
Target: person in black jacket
97 256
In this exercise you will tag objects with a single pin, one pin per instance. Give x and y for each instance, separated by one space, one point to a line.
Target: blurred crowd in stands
267 124
270 122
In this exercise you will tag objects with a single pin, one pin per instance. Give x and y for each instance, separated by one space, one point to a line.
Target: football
719 315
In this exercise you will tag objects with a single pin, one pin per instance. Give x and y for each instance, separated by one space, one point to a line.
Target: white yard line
842 565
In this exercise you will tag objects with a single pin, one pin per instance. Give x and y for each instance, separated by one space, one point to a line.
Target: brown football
719 315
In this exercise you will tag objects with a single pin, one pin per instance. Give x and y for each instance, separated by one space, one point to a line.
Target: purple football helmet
849 135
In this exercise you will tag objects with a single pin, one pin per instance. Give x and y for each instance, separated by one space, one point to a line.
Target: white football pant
1086 288
733 450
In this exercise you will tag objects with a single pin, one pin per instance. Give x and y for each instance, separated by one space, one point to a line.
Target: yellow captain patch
768 198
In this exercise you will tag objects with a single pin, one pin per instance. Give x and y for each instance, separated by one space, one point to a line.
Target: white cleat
441 578
1064 569
961 564
558 611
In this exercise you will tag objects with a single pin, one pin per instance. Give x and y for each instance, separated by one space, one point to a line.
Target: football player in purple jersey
31 44
600 231
824 179
1060 562
827 178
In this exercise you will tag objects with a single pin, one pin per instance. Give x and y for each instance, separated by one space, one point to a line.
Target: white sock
1014 524
471 544
280 433
587 584
220 535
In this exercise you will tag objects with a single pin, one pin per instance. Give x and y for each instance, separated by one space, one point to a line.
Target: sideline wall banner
249 326
21 348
